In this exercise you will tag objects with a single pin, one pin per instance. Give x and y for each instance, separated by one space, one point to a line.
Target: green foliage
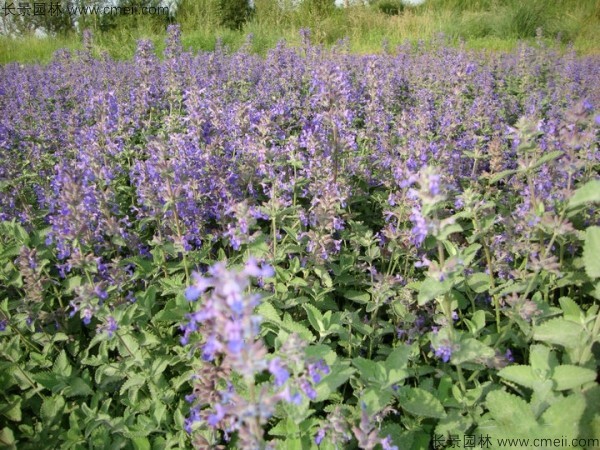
233 13
390 7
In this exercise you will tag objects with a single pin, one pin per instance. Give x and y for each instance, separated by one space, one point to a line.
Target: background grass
482 24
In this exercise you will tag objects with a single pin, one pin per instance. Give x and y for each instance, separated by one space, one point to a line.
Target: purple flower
386 444
320 436
192 293
420 227
308 389
278 371
214 419
192 419
509 356
3 324
317 369
210 349
444 352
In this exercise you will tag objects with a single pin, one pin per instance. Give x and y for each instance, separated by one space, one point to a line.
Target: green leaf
396 364
78 387
268 312
61 365
570 377
479 282
141 443
501 175
547 158
591 252
52 408
563 418
172 312
588 193
50 380
559 331
471 349
324 276
477 322
571 310
370 371
292 326
358 296
314 317
510 411
542 360
420 403
376 399
431 288
12 409
339 375
519 374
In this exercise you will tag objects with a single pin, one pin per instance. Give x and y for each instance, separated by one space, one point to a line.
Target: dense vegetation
489 24
310 249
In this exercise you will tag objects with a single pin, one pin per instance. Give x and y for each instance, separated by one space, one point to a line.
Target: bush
234 13
390 7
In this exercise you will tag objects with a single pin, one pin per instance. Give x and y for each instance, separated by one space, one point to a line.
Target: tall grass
492 24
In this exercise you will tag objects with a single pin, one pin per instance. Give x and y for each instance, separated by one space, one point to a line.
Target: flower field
312 249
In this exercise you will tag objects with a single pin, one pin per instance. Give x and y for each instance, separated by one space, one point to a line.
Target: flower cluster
231 344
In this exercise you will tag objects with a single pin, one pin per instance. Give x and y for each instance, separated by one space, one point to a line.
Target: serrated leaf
268 312
510 411
292 326
50 380
314 317
559 331
338 376
519 374
431 288
479 282
172 312
588 193
78 387
324 276
12 409
420 403
357 296
568 376
52 408
370 371
591 252
472 350
564 416
500 175
542 360
376 399
141 443
396 364
62 365
571 310
547 158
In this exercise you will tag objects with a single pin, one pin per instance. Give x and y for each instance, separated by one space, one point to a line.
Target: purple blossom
386 444
444 352
319 436
278 371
